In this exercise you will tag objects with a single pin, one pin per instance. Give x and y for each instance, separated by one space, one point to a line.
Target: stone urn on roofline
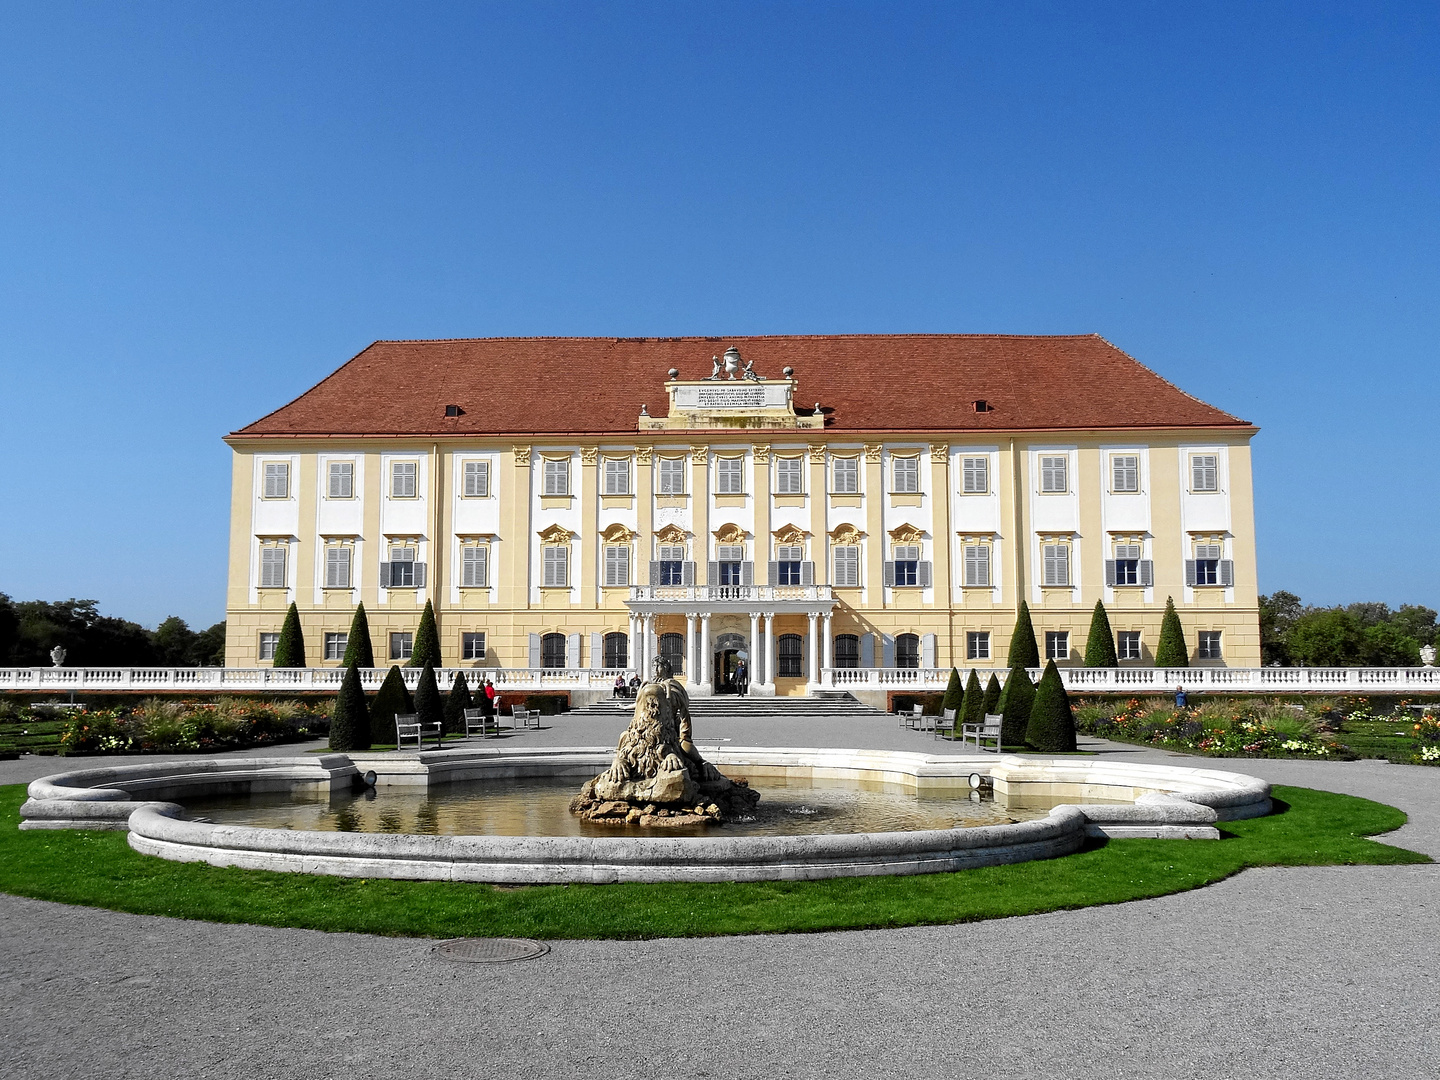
657 777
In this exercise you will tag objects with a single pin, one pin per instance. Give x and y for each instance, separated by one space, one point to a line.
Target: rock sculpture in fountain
657 776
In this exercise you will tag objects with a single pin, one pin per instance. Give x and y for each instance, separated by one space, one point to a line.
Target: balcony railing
715 594
271 680
1269 680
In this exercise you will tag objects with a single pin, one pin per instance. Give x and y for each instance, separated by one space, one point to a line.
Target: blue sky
205 208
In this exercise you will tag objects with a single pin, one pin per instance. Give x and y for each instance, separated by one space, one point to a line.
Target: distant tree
1015 702
992 695
9 631
357 643
209 647
1386 645
1278 613
290 649
1171 652
429 707
1023 648
426 649
392 697
456 702
1327 637
1416 621
89 638
1100 645
973 711
1369 613
174 643
1052 724
350 722
954 694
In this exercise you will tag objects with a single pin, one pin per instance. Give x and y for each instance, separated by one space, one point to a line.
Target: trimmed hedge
350 723
992 695
1171 650
954 693
426 650
358 650
974 710
1015 703
456 702
429 708
290 649
1100 645
1024 651
1052 725
392 697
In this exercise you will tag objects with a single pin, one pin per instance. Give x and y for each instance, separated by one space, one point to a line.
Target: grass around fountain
98 869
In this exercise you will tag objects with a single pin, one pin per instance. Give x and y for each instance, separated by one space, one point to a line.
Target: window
847 565
402 479
617 476
342 480
1057 645
729 560
477 479
1206 565
1205 472
335 646
552 650
789 476
672 564
906 475
1209 646
1127 644
475 566
557 476
787 564
729 476
672 648
617 651
557 567
277 480
977 645
1127 564
907 564
472 646
975 475
672 476
337 566
907 651
1054 475
268 644
402 568
1056 560
617 564
847 651
402 644
790 656
272 566
1125 472
977 565
845 476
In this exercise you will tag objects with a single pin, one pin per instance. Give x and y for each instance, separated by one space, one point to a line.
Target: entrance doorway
730 652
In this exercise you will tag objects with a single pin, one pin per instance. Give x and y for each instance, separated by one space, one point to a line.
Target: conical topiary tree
954 694
456 702
974 710
992 695
1100 645
1171 650
429 708
350 723
1023 649
427 641
391 698
1016 699
1052 725
290 649
357 643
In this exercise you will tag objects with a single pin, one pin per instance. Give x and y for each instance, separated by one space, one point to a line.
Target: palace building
835 511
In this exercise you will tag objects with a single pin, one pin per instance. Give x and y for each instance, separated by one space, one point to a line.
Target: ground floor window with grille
617 649
1209 646
847 651
977 645
552 650
1057 644
402 645
907 651
1127 644
268 644
790 656
672 648
472 646
335 646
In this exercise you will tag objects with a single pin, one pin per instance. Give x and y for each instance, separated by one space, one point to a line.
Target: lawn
1390 739
1312 828
35 735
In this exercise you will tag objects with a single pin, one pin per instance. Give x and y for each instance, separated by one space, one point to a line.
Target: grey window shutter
1189 571
774 573
534 650
747 573
807 573
419 575
572 651
654 572
597 650
1227 572
887 650
867 650
927 650
712 573
687 573
890 581
922 576
1147 572
1109 571
384 575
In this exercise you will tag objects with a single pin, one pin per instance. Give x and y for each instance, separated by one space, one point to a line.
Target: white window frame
617 565
845 475
1210 645
617 476
468 642
402 555
1055 474
275 480
670 476
269 642
339 566
730 476
555 559
1055 561
476 479
789 476
977 645
556 473
340 480
336 644
905 474
1057 644
1204 478
1125 478
271 556
404 479
975 475
847 565
976 557
401 644
1128 645
475 566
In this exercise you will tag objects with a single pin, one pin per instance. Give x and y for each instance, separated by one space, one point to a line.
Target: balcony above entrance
766 599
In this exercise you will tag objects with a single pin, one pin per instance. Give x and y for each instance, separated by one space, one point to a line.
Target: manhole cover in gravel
489 950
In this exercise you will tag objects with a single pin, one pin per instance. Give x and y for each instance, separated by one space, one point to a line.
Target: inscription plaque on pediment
732 396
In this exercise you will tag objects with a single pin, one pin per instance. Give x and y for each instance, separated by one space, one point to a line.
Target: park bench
944 727
408 726
989 731
477 723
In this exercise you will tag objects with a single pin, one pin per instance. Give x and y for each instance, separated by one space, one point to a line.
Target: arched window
907 650
790 662
847 650
672 648
617 650
552 650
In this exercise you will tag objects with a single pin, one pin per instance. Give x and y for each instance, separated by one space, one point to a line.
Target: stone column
772 649
692 664
829 647
812 673
634 649
703 683
752 662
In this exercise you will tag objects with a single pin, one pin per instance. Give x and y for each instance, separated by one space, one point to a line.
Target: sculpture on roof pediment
731 365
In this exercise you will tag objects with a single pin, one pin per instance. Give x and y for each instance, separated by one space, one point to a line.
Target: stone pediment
732 396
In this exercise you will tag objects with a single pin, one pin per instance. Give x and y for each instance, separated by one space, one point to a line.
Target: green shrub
1052 725
954 693
391 698
429 708
427 641
992 695
1100 645
1024 652
350 723
358 650
456 702
1017 697
290 649
973 711
1171 652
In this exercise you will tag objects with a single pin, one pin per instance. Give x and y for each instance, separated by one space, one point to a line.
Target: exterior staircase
831 705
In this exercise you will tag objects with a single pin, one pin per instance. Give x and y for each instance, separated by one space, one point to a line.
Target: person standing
1181 698
487 699
742 679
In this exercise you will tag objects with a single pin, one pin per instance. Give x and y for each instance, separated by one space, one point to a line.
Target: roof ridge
721 337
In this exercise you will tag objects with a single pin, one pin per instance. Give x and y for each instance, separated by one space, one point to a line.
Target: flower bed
156 726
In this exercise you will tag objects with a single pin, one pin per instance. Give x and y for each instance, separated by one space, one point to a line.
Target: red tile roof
864 382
